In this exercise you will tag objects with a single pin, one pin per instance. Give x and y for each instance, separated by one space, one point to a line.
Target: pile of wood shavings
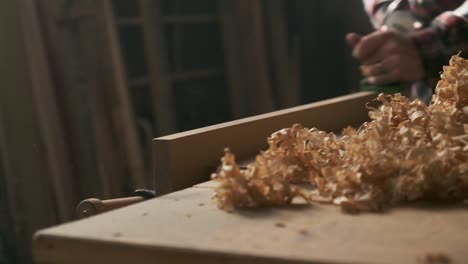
408 151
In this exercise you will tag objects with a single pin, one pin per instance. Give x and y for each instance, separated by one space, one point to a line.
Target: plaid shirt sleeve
446 35
376 9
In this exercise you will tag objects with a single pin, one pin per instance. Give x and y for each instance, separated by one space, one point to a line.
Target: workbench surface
187 227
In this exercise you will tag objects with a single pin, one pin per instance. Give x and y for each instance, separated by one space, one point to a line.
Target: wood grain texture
282 66
8 236
253 48
235 70
125 115
110 171
184 159
161 92
187 227
66 62
29 191
45 101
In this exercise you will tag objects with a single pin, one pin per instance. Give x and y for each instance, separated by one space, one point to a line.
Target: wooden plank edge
51 249
359 95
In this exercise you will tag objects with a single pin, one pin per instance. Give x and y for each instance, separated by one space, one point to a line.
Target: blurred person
412 41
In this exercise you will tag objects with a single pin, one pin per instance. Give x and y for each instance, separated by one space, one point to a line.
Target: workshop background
85 85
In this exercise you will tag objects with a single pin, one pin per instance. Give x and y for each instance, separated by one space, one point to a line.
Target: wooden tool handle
95 206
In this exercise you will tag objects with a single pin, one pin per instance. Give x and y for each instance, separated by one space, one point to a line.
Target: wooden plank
189 19
65 61
288 90
138 82
29 188
110 169
196 74
124 115
51 127
177 47
236 78
129 21
177 40
157 63
187 158
186 227
252 30
8 203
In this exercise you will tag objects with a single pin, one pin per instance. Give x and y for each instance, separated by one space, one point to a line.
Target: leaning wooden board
198 151
187 227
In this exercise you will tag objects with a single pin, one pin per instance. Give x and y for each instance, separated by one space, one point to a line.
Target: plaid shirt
444 30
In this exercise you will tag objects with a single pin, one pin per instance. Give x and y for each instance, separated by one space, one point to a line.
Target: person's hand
386 57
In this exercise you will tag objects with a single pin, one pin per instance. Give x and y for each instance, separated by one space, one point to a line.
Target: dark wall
327 67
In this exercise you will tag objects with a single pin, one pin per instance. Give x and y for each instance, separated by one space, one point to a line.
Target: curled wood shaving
261 184
408 151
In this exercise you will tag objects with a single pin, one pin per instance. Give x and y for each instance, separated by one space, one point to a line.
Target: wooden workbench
187 227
